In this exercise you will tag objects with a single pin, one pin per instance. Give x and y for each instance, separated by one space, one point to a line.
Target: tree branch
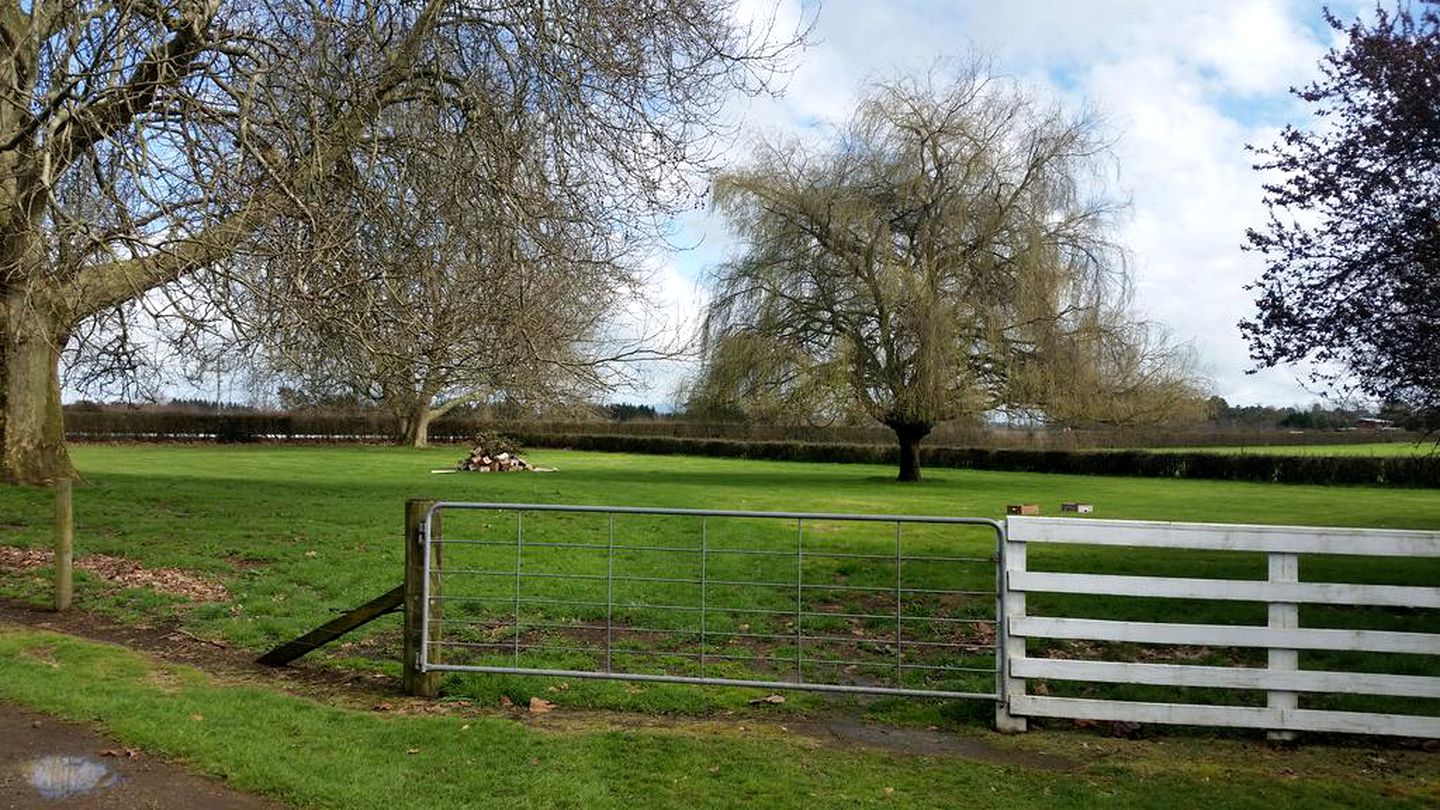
101 286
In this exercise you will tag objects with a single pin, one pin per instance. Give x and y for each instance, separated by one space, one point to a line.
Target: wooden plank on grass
1225 536
335 628
1359 683
1327 593
1224 635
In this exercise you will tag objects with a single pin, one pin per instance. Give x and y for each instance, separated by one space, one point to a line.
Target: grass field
296 533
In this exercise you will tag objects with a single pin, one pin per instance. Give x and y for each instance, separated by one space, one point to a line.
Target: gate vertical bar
704 587
519 561
799 598
1010 605
610 594
1283 568
899 612
422 600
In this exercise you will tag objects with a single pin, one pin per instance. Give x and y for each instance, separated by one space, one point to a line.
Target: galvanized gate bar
829 649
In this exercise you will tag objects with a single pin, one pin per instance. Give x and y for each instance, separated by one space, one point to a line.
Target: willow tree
1108 370
942 248
142 142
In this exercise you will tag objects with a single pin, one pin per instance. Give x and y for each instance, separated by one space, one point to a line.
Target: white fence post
1283 615
1011 647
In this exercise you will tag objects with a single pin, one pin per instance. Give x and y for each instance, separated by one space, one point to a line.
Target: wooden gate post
415 682
64 545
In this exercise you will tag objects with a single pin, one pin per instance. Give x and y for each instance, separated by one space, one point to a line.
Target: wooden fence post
415 682
64 545
1284 568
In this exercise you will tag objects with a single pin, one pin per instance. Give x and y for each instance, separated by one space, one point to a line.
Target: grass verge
314 755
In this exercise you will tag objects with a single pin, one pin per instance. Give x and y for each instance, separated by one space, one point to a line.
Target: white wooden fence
1283 637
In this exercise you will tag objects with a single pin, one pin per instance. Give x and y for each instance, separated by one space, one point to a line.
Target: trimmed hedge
1396 471
162 425
190 425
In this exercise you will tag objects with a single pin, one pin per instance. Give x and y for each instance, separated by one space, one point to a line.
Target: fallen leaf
197 717
506 702
540 705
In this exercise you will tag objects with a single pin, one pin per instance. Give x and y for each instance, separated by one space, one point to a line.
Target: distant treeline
237 425
1068 452
1224 418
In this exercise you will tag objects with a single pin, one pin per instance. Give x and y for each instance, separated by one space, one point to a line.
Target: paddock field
296 533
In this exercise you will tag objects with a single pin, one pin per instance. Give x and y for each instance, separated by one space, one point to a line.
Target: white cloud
1184 86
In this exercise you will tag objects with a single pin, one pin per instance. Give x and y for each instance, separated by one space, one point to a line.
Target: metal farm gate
878 604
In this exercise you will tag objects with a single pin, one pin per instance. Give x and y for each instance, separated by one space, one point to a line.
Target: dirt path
47 763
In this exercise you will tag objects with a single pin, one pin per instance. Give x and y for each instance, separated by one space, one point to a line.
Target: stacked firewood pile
483 460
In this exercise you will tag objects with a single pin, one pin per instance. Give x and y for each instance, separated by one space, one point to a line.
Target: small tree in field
1352 245
947 254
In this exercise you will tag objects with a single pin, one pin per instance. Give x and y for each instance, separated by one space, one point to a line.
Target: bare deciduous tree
951 244
143 141
443 267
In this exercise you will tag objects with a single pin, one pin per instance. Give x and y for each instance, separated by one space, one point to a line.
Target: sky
1182 87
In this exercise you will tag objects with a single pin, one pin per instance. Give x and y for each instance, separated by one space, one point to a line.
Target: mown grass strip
314 755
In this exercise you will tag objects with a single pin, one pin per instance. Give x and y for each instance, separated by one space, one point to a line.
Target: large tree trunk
32 426
415 426
909 435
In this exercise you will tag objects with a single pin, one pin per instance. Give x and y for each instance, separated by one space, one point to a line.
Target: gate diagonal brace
381 605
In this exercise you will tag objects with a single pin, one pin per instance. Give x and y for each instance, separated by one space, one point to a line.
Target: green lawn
297 533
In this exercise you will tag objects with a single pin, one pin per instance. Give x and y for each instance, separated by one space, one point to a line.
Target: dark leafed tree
142 141
1352 246
947 254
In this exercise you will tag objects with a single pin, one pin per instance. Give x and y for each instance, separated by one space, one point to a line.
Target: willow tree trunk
909 435
32 426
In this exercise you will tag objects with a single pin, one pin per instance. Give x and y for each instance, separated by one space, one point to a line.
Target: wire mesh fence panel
863 603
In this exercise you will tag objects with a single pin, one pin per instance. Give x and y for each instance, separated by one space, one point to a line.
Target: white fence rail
1282 636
